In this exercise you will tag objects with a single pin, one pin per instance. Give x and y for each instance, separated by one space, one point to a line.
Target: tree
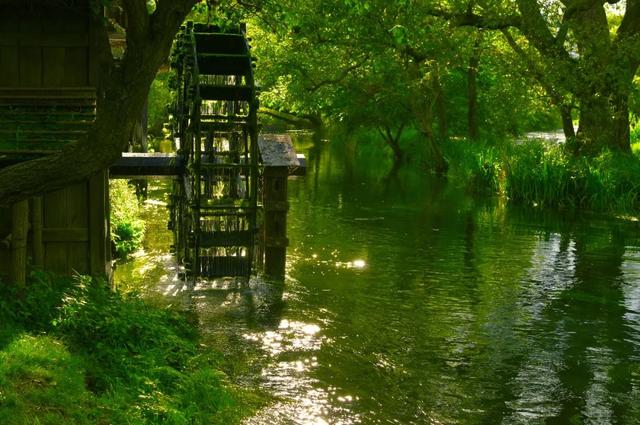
353 60
122 90
388 65
583 53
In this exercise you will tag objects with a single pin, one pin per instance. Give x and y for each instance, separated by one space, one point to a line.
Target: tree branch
343 75
287 117
627 39
537 73
137 20
470 19
561 37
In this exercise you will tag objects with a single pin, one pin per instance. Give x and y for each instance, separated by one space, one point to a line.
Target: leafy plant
160 96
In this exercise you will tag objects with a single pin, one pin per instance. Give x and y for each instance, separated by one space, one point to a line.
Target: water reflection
467 313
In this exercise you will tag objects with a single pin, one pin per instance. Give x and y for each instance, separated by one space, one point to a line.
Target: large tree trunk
472 89
604 123
567 122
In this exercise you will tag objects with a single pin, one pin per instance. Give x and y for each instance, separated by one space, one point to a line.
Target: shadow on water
407 301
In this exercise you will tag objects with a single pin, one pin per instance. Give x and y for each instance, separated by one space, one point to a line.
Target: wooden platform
135 165
277 150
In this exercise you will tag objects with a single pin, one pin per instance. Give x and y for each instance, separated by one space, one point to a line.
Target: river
407 301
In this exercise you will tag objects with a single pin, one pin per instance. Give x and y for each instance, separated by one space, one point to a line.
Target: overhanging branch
470 19
341 77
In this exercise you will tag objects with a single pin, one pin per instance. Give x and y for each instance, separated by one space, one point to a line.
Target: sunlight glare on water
291 349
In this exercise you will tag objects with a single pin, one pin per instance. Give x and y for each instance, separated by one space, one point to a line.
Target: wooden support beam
275 220
19 231
280 161
36 232
133 165
98 233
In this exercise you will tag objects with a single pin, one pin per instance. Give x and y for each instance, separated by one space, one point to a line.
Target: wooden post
278 157
275 220
19 231
98 230
37 223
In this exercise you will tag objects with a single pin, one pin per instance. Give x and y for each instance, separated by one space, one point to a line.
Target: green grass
41 382
74 352
539 174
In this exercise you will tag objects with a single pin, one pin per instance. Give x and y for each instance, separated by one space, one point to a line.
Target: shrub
122 336
35 308
127 229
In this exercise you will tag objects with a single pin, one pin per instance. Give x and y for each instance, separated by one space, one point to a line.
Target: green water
408 302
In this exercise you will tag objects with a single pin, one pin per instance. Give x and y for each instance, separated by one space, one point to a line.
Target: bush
123 336
36 308
127 229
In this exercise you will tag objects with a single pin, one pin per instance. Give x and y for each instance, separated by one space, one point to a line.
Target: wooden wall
74 230
49 47
45 47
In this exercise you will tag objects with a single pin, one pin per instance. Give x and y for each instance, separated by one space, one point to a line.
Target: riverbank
544 175
74 352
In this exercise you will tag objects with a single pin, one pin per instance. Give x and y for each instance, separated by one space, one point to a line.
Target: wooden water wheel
214 212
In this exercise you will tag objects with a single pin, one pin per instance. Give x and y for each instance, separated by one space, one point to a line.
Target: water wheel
215 203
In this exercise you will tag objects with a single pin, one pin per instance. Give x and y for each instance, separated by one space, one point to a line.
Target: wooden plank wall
51 48
74 230
44 48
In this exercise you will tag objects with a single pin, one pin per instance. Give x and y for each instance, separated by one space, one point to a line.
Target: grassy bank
539 174
535 173
74 352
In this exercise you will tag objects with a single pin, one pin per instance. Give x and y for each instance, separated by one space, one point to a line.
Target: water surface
407 301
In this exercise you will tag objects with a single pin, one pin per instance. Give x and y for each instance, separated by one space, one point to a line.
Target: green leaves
95 356
399 34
